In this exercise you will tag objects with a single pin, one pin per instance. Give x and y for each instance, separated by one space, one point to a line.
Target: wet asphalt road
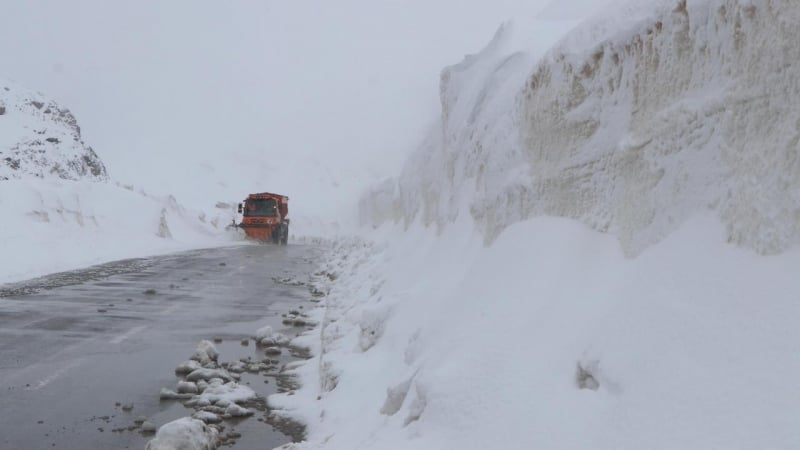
76 346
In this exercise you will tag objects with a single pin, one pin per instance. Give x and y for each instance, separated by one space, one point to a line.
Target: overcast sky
329 90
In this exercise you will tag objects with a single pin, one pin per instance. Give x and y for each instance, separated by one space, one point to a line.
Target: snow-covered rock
46 217
273 351
207 417
263 332
277 339
237 367
234 410
184 434
168 394
206 353
187 367
266 337
187 387
227 393
57 198
40 138
209 374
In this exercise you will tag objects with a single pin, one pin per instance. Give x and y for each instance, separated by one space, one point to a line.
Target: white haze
596 248
211 100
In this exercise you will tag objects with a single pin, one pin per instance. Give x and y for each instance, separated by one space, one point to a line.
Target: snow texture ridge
630 130
41 139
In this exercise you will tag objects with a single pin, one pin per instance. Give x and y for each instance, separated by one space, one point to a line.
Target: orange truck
264 217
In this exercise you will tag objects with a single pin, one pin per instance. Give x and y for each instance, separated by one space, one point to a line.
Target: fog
312 99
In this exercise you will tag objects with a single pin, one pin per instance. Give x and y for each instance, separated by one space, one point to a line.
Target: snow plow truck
264 217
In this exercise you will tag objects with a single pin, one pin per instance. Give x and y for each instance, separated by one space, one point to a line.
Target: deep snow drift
552 338
663 317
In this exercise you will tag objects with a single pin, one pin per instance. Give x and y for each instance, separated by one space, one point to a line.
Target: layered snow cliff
632 124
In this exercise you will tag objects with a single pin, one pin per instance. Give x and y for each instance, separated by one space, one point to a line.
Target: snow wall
593 249
628 127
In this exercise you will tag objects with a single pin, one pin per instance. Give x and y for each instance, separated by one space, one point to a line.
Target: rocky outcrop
40 139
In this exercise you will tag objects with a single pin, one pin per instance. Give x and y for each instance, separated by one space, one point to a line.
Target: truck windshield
261 207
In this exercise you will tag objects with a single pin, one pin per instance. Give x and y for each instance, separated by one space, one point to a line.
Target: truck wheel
285 235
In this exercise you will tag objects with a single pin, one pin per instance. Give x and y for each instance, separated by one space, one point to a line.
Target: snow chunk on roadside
235 410
184 434
227 393
207 417
187 367
187 387
265 336
275 339
206 353
209 374
168 394
263 332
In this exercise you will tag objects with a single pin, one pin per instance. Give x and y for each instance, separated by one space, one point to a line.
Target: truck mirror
240 208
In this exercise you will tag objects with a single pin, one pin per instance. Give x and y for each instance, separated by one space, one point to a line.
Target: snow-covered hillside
594 249
56 225
60 210
41 139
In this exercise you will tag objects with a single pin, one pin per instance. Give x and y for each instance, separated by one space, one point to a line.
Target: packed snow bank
655 320
632 124
51 226
553 338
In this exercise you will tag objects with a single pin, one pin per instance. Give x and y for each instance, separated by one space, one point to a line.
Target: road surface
77 347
